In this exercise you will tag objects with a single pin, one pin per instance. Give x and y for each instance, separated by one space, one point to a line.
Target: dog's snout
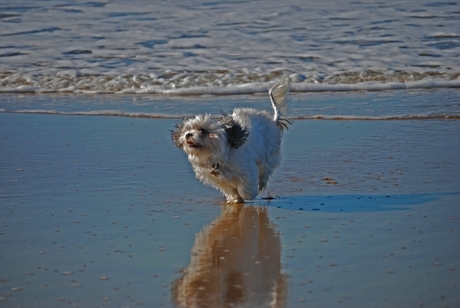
188 135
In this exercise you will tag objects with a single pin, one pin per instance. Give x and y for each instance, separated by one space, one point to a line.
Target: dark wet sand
105 212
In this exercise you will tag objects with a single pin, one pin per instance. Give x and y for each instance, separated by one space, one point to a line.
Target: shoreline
101 113
358 105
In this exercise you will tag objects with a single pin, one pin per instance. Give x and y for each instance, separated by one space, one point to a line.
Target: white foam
120 113
184 83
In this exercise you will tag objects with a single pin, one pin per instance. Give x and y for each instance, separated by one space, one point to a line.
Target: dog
238 152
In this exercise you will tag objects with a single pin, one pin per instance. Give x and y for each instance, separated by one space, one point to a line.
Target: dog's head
203 136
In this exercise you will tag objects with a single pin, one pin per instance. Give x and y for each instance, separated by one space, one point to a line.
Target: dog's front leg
234 198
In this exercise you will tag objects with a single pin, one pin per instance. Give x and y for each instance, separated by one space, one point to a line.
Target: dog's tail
278 94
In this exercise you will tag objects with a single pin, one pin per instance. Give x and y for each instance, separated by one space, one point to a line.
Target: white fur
240 170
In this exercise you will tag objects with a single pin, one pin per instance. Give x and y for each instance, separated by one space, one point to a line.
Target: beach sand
105 212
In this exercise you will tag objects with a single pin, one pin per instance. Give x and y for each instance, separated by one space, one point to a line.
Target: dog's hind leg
263 179
264 175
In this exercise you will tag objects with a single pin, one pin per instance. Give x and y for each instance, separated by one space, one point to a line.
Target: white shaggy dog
236 153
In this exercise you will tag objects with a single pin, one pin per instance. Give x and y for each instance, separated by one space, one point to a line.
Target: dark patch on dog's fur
283 123
236 135
175 134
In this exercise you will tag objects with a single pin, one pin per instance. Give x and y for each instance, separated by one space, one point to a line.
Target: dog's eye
203 131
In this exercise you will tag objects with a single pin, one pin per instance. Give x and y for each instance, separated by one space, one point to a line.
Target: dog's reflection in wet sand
235 262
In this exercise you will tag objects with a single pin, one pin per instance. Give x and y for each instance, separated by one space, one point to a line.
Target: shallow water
227 47
104 211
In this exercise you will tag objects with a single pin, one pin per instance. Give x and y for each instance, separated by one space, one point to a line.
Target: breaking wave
219 82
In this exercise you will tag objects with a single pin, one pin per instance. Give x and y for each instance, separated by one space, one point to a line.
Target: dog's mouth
192 144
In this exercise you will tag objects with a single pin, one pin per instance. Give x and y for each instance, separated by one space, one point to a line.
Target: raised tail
278 94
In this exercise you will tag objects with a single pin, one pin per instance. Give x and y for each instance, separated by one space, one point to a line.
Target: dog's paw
234 200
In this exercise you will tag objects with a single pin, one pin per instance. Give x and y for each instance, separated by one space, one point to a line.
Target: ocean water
227 47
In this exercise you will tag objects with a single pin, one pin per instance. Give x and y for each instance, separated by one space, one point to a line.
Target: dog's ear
175 134
236 135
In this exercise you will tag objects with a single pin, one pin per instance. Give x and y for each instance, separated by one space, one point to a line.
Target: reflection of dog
235 262
237 153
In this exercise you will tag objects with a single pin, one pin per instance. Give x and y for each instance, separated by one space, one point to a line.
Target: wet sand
105 212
